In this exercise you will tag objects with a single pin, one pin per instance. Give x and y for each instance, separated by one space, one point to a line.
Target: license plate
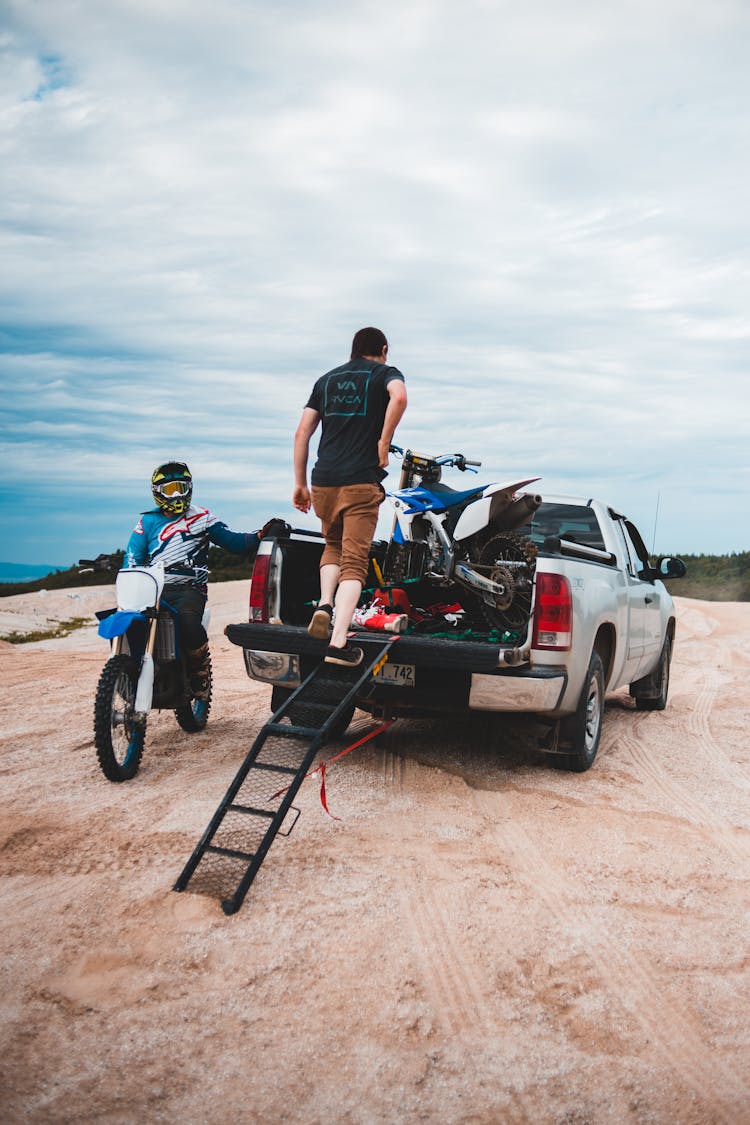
397 675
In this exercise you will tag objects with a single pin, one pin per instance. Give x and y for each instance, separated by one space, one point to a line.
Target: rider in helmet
177 534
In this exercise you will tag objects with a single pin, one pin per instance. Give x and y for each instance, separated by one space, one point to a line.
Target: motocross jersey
181 543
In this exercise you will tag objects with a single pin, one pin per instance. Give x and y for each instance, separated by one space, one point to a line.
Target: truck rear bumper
527 691
449 675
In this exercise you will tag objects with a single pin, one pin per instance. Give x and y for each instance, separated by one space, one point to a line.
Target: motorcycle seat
452 495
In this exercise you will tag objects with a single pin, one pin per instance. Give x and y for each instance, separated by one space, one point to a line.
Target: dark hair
368 341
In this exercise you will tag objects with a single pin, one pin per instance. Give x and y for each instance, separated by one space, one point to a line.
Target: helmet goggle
174 488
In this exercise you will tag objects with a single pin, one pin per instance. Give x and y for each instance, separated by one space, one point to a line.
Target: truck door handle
648 600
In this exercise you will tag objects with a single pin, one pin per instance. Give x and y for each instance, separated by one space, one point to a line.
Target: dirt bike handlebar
456 460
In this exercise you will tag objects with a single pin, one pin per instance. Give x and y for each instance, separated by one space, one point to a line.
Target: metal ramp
258 803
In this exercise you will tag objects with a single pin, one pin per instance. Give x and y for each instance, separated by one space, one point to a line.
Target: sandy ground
478 939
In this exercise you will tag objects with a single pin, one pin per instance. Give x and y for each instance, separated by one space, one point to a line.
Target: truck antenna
656 519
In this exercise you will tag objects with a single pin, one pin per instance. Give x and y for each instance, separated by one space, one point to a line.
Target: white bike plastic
145 690
139 587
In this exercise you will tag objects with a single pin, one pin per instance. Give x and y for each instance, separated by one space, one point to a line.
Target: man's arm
393 415
307 426
238 542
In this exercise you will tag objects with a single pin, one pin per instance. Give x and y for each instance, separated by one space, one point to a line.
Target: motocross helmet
172 486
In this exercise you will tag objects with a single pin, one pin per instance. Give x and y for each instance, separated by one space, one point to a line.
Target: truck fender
605 643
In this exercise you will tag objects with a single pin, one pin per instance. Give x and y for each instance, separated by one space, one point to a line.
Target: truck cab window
573 522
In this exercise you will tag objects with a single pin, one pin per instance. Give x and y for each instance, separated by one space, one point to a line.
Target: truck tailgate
428 652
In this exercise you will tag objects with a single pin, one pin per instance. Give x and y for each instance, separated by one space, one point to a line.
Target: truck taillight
553 613
259 588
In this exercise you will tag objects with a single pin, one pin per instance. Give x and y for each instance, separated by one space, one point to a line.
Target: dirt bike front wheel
118 740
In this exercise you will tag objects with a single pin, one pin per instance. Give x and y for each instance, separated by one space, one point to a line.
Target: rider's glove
274 526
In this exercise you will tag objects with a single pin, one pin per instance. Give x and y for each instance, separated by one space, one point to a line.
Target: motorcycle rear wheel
490 558
118 740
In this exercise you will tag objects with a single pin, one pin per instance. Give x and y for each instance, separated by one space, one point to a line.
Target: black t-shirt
352 401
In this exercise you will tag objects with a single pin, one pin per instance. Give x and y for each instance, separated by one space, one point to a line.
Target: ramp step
251 811
271 767
292 731
229 851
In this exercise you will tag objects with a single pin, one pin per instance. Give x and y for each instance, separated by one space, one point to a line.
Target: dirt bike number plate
397 675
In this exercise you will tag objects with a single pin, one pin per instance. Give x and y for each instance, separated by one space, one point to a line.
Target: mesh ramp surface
258 804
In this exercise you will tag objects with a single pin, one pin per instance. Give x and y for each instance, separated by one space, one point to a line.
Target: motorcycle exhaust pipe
518 512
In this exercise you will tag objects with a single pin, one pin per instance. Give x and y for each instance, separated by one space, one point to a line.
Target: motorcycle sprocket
513 612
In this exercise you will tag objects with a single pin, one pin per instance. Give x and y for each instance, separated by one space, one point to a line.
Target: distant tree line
713 578
223 565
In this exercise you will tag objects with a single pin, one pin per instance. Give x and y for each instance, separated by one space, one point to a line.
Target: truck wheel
583 729
657 682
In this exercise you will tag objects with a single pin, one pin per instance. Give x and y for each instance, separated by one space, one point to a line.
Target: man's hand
301 498
383 451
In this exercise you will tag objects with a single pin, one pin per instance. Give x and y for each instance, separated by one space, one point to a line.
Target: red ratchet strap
321 766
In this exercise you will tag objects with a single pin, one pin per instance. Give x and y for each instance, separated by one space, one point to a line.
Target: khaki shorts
349 515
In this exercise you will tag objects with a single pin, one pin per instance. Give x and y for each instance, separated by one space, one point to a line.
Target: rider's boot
199 671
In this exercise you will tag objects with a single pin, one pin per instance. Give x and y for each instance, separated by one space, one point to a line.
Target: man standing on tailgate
359 405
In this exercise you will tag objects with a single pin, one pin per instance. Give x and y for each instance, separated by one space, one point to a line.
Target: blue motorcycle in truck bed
468 537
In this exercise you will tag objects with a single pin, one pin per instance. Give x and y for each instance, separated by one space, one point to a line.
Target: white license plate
398 675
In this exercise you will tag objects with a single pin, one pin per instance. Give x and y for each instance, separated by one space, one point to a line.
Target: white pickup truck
600 618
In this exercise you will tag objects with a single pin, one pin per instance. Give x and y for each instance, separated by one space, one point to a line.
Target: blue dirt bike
146 670
470 537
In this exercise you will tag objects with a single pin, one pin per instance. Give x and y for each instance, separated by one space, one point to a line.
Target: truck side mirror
672 568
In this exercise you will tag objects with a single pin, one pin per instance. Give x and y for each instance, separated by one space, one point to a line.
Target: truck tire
651 692
582 730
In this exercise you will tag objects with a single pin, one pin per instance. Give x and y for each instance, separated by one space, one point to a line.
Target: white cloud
542 206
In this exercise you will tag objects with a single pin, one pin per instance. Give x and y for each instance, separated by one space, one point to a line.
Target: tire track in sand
450 978
670 1030
684 803
699 723
393 767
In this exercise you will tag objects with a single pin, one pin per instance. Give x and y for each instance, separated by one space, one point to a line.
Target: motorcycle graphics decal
419 499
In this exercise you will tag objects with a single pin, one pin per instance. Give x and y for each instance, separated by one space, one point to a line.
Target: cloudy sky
544 206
